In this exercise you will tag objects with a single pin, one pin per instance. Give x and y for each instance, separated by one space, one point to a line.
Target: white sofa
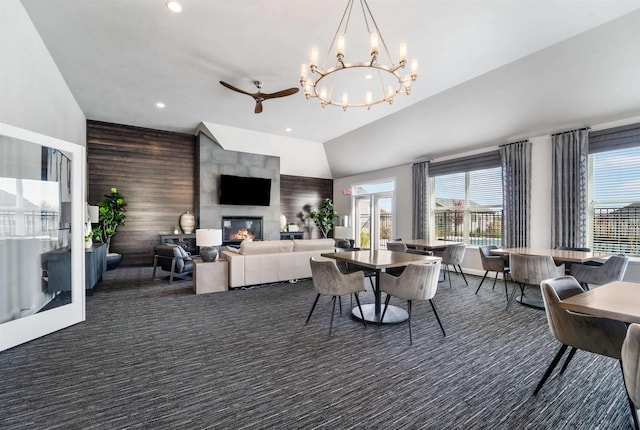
273 260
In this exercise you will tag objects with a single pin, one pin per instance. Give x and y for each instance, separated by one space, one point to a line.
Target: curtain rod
513 143
571 131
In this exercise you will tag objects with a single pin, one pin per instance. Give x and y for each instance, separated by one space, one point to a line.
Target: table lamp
208 239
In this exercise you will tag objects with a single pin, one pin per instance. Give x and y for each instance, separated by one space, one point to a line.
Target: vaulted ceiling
489 71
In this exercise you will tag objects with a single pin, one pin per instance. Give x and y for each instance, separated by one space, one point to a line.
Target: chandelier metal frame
312 87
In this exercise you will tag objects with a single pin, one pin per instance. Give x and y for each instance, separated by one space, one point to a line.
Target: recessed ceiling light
367 77
160 105
174 6
288 129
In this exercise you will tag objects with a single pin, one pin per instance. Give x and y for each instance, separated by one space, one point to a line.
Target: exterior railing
485 227
617 230
36 223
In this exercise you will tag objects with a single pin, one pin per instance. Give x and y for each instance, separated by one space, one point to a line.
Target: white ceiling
489 70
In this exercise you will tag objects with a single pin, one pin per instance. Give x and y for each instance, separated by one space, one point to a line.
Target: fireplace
235 229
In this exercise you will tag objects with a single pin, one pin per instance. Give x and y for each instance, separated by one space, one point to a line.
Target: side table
210 277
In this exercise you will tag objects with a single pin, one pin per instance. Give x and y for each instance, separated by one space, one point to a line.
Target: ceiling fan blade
258 107
231 87
282 93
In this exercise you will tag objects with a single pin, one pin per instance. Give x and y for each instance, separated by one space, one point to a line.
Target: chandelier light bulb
373 38
340 47
390 93
402 58
313 57
303 73
323 93
369 99
414 68
345 101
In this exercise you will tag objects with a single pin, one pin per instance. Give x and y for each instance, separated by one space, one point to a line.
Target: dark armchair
174 259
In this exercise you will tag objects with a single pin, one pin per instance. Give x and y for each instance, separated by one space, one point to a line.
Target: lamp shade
208 237
342 232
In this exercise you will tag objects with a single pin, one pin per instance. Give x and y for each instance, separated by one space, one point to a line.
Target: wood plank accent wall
155 172
299 195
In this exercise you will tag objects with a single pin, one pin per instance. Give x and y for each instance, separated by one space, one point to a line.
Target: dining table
558 255
534 298
379 260
430 245
616 300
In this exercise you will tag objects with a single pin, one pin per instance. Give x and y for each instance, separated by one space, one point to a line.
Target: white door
41 220
374 218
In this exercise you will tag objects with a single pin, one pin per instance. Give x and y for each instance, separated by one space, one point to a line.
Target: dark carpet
154 355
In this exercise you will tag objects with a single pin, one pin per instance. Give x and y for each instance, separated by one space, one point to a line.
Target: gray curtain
420 228
570 192
516 193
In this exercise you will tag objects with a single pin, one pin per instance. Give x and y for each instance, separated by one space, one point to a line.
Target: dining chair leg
433 306
569 357
360 307
483 278
333 310
552 366
409 320
462 273
632 407
340 301
493 288
513 294
312 308
386 304
506 290
449 273
155 265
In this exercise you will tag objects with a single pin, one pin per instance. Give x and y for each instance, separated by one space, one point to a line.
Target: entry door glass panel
41 235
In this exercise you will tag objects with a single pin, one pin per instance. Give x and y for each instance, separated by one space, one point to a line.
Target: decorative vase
187 222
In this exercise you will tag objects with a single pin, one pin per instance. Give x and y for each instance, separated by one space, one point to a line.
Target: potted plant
111 216
324 216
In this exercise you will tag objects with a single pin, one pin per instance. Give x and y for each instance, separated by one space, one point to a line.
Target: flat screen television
240 190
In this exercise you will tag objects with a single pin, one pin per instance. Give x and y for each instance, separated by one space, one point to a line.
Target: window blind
486 160
612 139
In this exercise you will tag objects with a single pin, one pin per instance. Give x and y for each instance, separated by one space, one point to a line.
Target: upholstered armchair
531 270
581 332
631 369
493 263
612 270
418 282
174 259
329 281
452 255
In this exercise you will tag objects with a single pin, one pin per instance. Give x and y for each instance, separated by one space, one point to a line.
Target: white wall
297 157
540 197
33 93
402 200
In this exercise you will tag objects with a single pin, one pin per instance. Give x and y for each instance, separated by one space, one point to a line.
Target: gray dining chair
584 332
531 270
612 270
452 255
329 281
418 282
493 263
631 369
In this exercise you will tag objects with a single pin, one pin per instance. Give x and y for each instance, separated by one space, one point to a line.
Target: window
467 206
373 203
615 201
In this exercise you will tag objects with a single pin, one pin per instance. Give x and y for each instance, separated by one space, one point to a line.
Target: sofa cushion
313 245
266 247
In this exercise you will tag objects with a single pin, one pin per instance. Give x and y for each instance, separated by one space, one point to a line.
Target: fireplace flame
242 234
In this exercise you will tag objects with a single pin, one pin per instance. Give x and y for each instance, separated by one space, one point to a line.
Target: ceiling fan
259 97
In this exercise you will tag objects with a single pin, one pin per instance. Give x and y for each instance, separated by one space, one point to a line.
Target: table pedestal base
394 314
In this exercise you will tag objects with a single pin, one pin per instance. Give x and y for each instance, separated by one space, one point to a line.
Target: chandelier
372 81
